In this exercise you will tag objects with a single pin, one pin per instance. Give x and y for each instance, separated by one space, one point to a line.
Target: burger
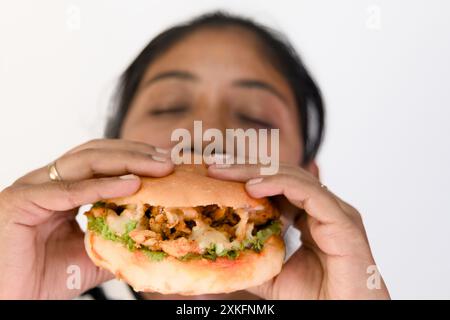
188 234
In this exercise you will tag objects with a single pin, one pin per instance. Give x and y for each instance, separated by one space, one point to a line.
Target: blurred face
218 76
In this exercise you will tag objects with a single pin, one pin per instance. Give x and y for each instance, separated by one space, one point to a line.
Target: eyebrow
175 74
258 84
243 83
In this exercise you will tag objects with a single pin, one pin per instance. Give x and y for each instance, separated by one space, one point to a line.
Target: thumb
80 273
264 290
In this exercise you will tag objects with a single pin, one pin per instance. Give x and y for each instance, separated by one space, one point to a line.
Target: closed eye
258 122
171 110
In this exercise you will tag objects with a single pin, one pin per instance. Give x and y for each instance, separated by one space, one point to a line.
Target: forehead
220 54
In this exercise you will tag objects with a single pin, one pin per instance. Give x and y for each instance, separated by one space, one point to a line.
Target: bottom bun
193 277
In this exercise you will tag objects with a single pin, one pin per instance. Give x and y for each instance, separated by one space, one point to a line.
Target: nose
209 120
213 114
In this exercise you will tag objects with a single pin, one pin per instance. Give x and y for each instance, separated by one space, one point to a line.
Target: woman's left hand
334 260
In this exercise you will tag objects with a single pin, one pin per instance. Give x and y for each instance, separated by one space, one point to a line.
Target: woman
230 73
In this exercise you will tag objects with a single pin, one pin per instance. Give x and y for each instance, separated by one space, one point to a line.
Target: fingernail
129 177
219 157
162 150
221 166
159 159
254 181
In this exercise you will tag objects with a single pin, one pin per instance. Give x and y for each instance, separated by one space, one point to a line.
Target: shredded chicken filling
189 231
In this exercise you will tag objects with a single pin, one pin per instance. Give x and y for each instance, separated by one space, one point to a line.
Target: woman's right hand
39 237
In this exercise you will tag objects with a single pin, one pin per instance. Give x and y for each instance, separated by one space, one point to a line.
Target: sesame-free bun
189 186
193 277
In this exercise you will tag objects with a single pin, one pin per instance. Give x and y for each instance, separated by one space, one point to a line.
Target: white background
384 68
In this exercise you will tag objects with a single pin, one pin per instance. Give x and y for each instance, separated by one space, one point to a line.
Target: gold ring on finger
53 172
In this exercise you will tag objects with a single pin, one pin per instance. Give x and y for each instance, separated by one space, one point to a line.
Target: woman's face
218 76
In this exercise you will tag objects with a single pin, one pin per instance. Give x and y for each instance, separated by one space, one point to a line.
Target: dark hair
280 51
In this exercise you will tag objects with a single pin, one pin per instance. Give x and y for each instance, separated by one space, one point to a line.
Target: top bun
189 186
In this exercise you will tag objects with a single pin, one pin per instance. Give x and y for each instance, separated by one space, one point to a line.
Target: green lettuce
154 255
190 256
263 235
256 243
99 226
211 254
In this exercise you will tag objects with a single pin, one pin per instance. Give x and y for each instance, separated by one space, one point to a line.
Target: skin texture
213 96
39 237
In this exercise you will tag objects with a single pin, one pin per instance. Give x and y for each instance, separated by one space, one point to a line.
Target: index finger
302 190
89 163
36 203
